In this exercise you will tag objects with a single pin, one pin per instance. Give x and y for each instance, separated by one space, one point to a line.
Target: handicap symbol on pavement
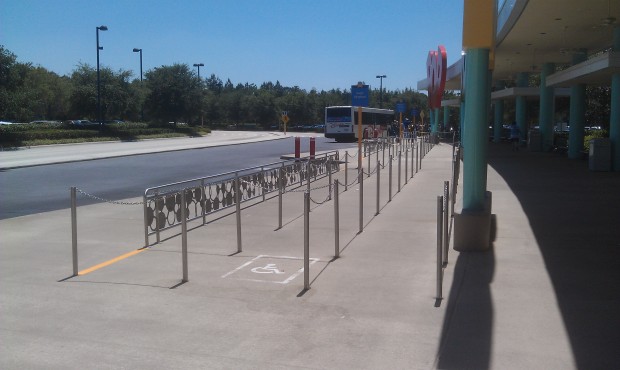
270 268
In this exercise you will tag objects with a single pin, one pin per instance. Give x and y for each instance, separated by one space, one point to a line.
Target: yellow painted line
113 260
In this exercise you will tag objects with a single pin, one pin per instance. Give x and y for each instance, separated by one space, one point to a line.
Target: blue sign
401 107
359 95
415 112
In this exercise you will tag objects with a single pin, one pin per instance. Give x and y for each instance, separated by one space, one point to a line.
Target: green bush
37 134
593 134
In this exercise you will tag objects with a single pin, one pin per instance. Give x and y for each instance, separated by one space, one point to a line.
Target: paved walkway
545 296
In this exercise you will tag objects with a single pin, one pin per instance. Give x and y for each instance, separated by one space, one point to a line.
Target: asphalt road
45 188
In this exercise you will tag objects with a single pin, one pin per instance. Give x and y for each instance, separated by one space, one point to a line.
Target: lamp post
199 65
136 50
100 28
381 77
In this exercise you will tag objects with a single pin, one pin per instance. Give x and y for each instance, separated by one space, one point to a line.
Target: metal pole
360 177
346 170
262 181
412 156
146 227
383 147
308 171
390 180
399 166
203 192
336 220
368 154
306 241
378 185
238 206
406 165
446 199
157 215
439 246
184 235
280 185
74 250
329 174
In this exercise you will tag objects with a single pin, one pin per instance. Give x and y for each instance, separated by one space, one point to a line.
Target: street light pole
199 65
381 77
201 115
100 28
136 50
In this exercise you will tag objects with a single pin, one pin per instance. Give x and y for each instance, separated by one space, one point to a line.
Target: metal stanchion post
146 227
368 162
306 241
329 174
238 207
308 171
74 248
399 166
360 177
158 201
346 170
439 246
406 165
378 185
390 180
280 186
262 181
336 221
383 149
184 235
446 199
203 198
412 156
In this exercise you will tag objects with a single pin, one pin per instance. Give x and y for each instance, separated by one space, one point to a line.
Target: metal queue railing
211 194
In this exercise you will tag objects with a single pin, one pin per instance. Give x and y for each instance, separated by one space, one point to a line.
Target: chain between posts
108 200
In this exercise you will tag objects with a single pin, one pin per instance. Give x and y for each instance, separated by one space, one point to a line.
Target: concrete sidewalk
374 307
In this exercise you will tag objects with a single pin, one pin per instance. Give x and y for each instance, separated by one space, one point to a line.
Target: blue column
437 115
577 116
446 118
521 106
614 116
547 107
476 130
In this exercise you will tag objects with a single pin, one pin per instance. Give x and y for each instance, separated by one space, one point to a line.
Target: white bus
341 122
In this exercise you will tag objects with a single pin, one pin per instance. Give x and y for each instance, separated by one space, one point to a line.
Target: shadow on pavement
575 216
466 336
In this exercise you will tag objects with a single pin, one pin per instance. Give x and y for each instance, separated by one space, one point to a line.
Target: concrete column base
474 230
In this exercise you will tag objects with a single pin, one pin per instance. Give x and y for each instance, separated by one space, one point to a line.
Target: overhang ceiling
553 31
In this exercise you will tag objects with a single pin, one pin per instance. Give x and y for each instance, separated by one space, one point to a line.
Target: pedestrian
514 136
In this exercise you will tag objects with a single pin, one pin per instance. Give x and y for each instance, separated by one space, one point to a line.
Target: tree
175 93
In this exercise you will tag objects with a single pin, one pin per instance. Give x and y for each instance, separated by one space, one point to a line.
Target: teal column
476 130
446 117
547 107
435 120
577 115
431 120
521 106
462 122
614 116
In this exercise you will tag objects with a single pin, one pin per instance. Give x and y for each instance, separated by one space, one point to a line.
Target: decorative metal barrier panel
207 195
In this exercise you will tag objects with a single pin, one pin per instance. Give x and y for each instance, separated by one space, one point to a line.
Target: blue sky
320 44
